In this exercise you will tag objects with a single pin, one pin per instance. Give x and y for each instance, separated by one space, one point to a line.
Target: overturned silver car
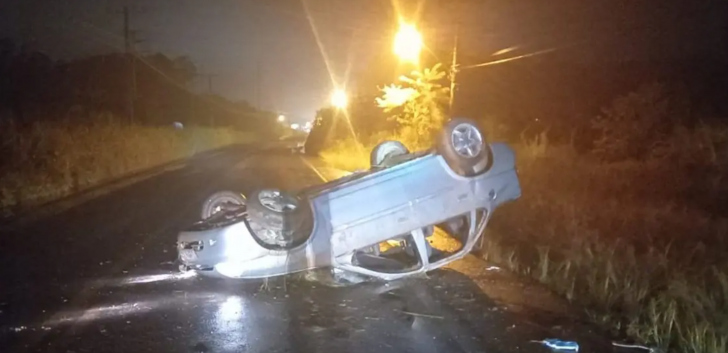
381 223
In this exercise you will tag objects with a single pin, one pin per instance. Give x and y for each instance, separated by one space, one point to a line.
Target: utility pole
127 42
209 77
454 69
209 81
258 84
130 42
211 117
257 80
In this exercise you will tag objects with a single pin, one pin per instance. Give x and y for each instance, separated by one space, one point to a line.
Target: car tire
278 218
464 147
384 151
219 201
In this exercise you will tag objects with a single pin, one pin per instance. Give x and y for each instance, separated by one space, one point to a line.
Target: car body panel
364 209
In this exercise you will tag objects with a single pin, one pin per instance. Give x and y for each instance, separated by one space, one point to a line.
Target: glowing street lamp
408 43
281 118
339 99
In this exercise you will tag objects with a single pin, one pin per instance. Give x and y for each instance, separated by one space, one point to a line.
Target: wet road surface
101 277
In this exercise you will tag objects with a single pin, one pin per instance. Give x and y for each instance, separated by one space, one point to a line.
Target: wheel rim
467 141
275 201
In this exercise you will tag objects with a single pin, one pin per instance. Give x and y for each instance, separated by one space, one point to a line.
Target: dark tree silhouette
34 88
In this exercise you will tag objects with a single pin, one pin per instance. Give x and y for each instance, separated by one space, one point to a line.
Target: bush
610 238
637 124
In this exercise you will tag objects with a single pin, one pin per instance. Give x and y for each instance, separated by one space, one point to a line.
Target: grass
49 160
350 154
626 241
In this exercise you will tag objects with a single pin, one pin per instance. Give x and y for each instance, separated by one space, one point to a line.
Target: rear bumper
232 251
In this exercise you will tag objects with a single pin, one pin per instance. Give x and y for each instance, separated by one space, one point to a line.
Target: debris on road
422 315
559 345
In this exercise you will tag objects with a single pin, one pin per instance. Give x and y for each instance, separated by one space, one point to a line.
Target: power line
501 61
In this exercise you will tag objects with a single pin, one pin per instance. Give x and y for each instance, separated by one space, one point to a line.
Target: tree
321 131
418 107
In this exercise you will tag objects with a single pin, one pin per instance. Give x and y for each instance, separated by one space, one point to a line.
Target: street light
339 99
408 43
281 118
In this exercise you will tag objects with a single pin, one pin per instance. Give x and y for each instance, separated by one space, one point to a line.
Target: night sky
236 39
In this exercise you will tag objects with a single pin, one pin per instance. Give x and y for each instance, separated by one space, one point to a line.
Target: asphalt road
100 277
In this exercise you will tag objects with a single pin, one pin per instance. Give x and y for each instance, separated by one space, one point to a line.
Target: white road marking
320 175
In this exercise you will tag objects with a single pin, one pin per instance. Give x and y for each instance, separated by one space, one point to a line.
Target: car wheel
277 218
221 201
464 147
384 151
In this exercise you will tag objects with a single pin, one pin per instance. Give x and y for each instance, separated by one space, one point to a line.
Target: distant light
339 99
308 125
281 118
295 126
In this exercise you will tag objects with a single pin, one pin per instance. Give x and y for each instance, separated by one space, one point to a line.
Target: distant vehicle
375 223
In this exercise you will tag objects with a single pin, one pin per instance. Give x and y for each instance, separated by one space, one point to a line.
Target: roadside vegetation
47 160
632 229
69 125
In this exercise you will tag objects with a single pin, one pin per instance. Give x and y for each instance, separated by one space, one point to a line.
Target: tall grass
626 241
48 160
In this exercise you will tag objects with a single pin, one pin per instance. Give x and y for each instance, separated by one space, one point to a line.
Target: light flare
339 99
408 43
